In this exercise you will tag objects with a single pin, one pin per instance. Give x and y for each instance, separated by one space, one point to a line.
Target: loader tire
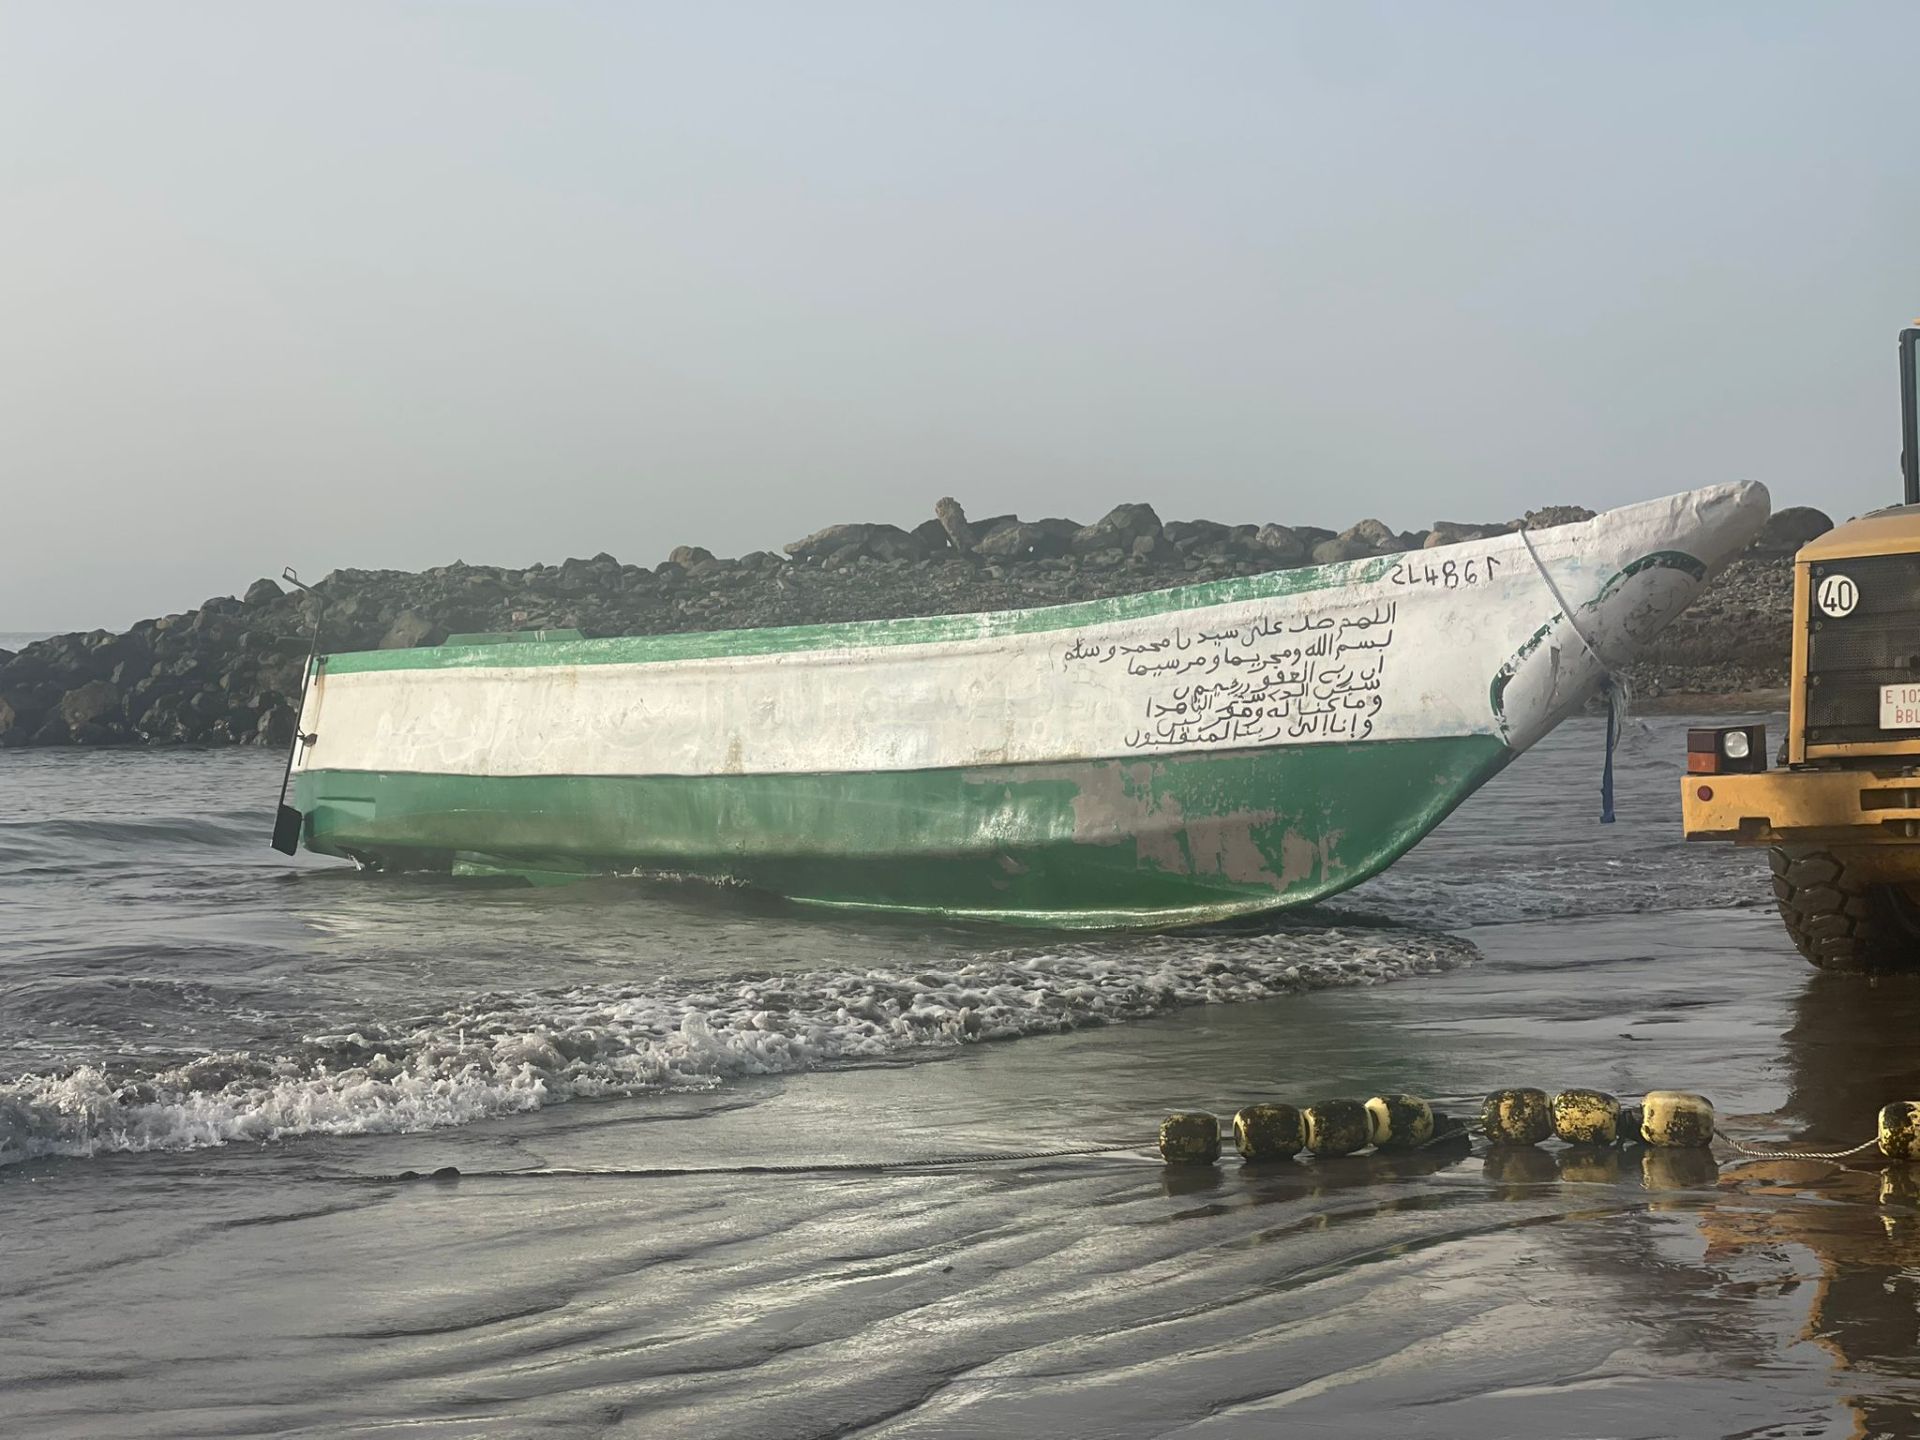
1839 922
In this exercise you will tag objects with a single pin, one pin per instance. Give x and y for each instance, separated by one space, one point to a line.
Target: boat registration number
1900 707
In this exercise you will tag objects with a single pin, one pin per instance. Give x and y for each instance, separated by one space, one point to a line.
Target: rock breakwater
229 671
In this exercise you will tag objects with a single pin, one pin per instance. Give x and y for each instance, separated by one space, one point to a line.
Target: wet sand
283 1290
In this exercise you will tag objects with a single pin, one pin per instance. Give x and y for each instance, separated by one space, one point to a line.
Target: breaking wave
515 1052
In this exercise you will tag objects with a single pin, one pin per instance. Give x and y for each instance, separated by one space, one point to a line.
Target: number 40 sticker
1837 596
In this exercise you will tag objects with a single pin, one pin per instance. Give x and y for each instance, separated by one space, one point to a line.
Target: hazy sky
390 285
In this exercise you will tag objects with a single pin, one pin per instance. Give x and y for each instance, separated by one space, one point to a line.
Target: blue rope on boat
1606 771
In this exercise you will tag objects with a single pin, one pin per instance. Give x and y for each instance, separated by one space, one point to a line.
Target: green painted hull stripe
864 634
1085 844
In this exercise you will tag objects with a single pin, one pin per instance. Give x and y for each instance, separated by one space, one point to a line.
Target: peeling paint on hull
1142 843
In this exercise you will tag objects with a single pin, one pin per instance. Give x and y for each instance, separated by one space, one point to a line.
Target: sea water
219 1066
171 983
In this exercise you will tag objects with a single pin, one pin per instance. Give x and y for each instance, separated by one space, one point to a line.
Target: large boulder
1377 533
90 704
1285 545
1549 516
1787 530
1358 542
831 541
213 628
275 726
953 520
1210 544
262 592
933 538
1121 528
1332 552
159 720
1054 537
890 542
1189 535
1454 532
126 656
1009 542
1008 537
597 576
410 629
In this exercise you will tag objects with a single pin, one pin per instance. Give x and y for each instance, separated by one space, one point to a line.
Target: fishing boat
1161 759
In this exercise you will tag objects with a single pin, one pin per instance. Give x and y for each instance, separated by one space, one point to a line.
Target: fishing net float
1515 1118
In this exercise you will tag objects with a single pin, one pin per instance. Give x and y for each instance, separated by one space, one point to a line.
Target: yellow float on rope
1676 1120
1520 1116
1337 1127
1900 1130
1590 1120
1191 1137
1268 1132
1399 1122
1586 1117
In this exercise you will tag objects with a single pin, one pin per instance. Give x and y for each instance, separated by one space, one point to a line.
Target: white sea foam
516 1052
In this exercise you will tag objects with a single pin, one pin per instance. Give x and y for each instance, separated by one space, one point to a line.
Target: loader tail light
1738 750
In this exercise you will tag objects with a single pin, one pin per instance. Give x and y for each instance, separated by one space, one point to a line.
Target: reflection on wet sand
1850 1050
1843 1237
1788 1271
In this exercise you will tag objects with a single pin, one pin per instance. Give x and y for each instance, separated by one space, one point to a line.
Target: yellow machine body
1851 793
1841 818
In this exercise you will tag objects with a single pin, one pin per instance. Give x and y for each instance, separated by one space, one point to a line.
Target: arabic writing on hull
1304 677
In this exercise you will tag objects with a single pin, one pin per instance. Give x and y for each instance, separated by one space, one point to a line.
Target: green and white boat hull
1152 760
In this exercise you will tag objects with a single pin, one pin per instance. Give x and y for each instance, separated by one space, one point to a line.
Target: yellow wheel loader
1841 814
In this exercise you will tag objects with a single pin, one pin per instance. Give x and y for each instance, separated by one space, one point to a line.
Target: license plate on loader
1900 707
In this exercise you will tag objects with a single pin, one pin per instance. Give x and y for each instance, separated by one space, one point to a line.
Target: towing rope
1332 1128
1565 609
1454 1132
1613 682
824 1167
1752 1152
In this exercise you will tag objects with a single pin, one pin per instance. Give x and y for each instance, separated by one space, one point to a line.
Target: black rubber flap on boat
286 830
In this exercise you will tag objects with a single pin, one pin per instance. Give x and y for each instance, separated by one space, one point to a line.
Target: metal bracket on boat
287 820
